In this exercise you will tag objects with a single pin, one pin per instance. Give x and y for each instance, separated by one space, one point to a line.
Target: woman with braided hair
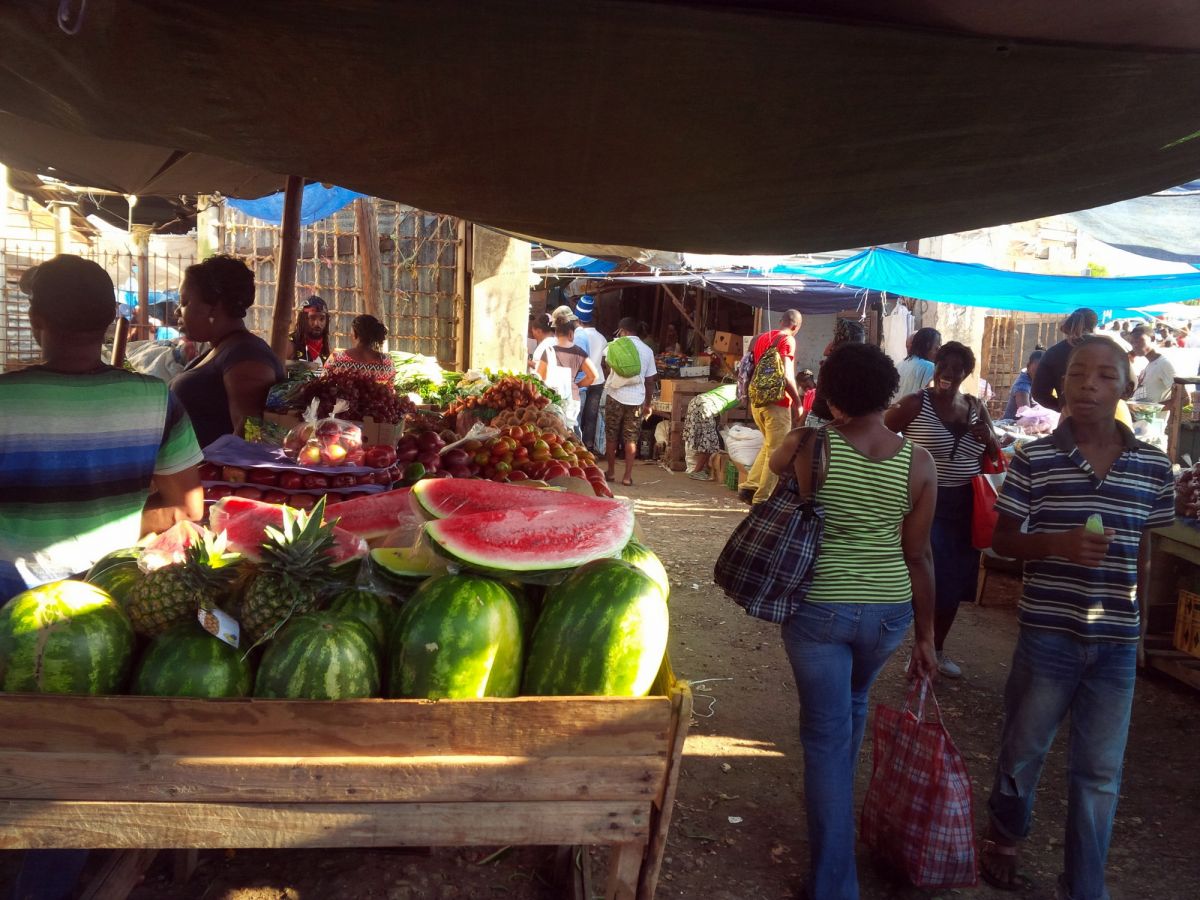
366 357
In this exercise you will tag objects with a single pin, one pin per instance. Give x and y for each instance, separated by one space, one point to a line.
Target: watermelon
642 557
532 540
187 661
320 656
374 610
245 523
170 547
623 357
603 631
65 637
442 498
402 569
117 573
459 636
374 516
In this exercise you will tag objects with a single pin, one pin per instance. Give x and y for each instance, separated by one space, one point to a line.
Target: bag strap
926 688
820 442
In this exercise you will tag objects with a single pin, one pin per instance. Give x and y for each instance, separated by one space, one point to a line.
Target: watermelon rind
531 540
459 637
65 637
645 559
187 661
373 609
320 656
443 498
602 632
117 573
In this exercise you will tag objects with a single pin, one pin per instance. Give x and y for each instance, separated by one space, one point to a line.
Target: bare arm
177 497
651 382
1078 545
789 386
589 374
901 414
782 456
1020 398
918 557
246 386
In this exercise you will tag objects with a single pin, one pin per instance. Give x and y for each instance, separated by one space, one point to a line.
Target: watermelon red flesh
245 524
374 515
170 547
532 540
187 661
320 656
602 632
66 637
460 637
442 498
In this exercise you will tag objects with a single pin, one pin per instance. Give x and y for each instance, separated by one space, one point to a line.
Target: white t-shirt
915 375
596 345
1154 384
632 391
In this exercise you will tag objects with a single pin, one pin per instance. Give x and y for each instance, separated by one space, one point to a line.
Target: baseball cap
585 307
71 294
314 302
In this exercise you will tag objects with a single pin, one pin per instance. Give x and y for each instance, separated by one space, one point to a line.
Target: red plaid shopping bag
917 814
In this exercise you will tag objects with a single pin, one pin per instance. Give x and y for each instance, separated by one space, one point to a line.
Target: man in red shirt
774 421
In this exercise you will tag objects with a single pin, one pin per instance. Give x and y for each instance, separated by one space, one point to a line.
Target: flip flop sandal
608 477
1018 882
627 482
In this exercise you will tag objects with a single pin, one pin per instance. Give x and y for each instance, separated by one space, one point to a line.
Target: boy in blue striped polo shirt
1077 650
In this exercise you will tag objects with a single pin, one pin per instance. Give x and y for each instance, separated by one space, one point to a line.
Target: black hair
962 351
564 327
370 330
1119 353
1036 356
859 379
541 321
630 324
1077 324
223 281
923 342
847 331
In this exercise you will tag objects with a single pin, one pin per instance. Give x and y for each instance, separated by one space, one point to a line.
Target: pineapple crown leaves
208 567
297 549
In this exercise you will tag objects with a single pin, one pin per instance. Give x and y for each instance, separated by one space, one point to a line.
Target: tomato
539 446
540 455
517 475
517 433
210 472
502 468
575 472
554 470
521 453
600 488
483 457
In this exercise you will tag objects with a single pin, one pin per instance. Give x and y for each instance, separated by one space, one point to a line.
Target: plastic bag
916 817
325 442
742 443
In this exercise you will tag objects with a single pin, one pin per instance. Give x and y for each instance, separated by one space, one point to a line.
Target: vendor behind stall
229 383
82 440
700 427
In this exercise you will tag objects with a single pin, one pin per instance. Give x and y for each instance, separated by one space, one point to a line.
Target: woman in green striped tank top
873 576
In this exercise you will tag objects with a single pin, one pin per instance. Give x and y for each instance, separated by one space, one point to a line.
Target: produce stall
1171 620
452 638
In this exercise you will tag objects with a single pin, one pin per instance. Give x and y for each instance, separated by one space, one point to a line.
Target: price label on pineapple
220 625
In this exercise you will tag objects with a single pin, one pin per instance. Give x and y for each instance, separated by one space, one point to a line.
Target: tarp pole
369 264
289 251
697 332
120 341
141 238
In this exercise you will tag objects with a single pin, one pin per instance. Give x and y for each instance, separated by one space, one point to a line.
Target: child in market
1079 615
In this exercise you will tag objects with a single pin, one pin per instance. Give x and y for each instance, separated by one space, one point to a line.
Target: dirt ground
738 831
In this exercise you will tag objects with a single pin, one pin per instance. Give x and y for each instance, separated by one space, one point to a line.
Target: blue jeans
836 651
1052 675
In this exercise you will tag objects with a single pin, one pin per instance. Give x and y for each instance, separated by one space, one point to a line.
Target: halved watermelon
170 547
442 498
532 540
245 523
373 515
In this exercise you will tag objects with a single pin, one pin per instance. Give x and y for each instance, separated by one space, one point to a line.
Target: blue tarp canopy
574 262
967 284
318 203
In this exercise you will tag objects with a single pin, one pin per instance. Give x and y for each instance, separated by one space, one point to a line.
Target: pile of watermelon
496 591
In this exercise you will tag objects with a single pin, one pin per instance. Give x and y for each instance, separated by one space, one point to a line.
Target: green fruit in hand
1095 524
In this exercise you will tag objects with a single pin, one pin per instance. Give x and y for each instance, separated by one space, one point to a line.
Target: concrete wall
499 307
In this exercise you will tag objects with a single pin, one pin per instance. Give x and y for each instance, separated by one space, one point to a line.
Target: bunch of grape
509 392
366 396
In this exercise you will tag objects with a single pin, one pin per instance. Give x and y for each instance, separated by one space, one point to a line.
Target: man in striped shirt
1077 649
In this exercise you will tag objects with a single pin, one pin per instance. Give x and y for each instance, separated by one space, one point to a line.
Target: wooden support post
120 341
464 280
289 250
185 862
120 874
62 227
696 330
624 866
369 265
142 239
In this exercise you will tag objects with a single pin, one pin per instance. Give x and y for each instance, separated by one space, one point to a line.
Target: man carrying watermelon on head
775 401
631 376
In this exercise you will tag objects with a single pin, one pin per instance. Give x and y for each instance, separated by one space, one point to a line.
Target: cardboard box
716 465
666 389
1187 623
728 363
727 342
372 432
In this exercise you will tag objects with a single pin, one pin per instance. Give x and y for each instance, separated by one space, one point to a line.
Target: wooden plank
1177 665
664 806
624 862
183 864
37 775
46 824
285 273
369 265
521 726
120 874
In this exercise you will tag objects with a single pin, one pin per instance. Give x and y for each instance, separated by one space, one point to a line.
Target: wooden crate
131 773
1187 623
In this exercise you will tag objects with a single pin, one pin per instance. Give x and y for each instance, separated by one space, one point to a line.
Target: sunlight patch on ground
683 508
719 745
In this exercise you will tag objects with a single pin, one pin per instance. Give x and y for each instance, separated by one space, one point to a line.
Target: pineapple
174 593
294 573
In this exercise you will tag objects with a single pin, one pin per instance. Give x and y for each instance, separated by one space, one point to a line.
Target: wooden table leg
184 863
624 865
120 874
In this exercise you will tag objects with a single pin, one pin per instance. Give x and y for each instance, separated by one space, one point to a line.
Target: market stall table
136 773
1174 551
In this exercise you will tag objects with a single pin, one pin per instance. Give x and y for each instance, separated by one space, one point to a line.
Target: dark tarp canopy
752 127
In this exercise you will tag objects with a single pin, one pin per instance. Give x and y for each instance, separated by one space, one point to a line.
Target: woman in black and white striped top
956 430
